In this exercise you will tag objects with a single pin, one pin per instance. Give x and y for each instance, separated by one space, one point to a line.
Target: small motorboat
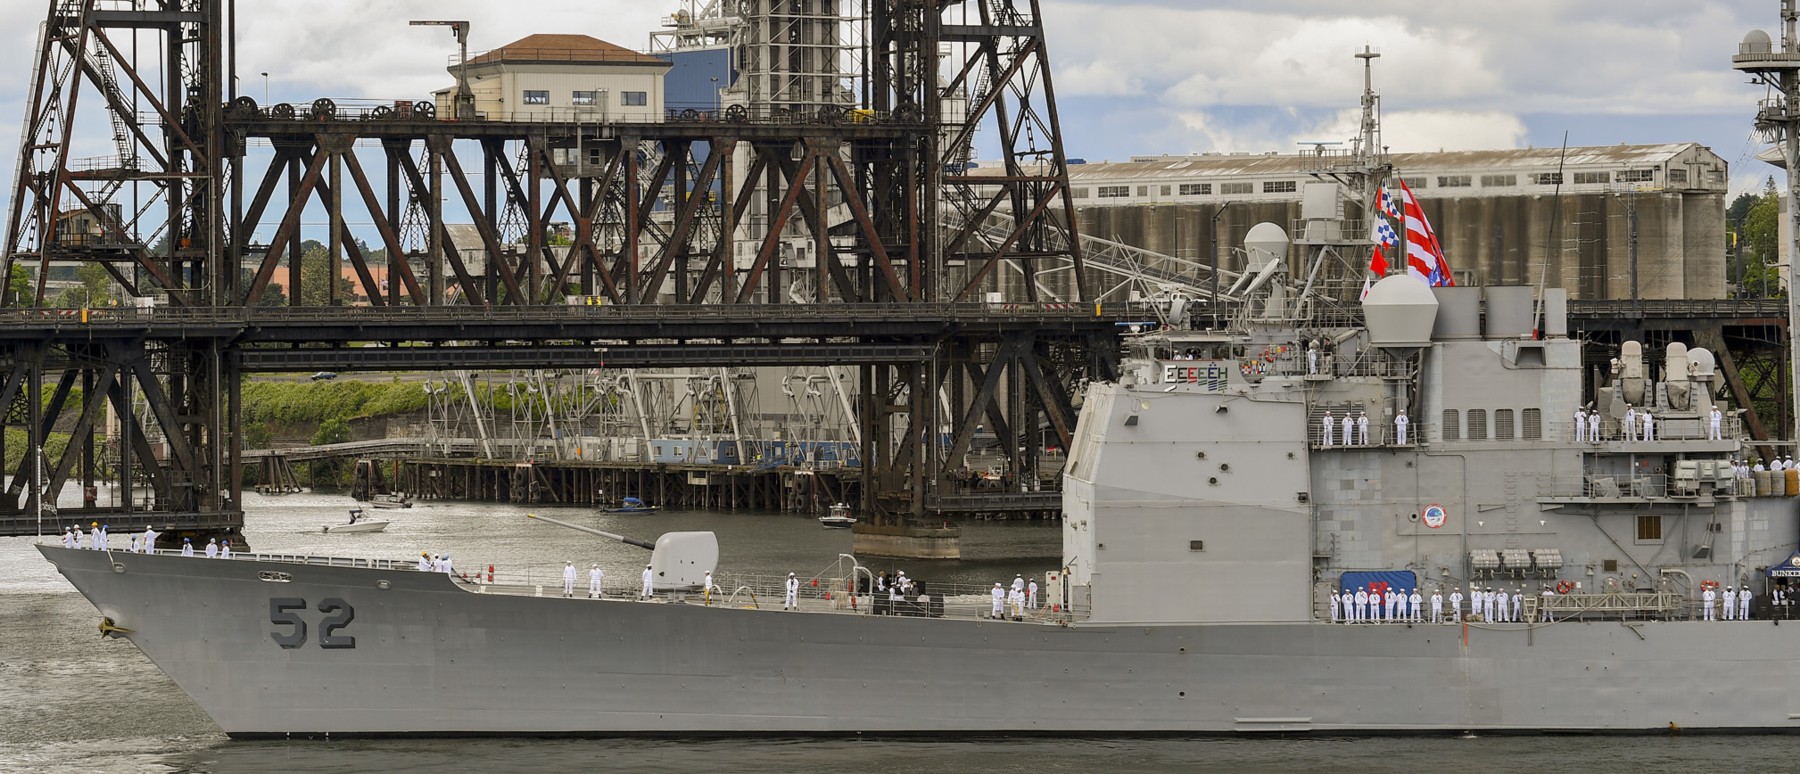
839 517
631 505
357 524
390 501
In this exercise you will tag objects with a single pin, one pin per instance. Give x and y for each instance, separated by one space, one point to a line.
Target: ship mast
1778 118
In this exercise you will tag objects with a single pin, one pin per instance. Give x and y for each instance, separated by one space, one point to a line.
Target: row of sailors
1737 604
1360 425
1015 601
1743 468
101 540
1404 606
1638 425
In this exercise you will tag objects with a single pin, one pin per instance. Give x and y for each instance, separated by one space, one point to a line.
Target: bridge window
1478 424
537 97
1452 425
1649 529
1533 424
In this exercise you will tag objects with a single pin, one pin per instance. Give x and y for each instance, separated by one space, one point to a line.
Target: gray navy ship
1217 509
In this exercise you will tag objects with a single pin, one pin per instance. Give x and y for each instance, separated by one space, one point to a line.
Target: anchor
109 629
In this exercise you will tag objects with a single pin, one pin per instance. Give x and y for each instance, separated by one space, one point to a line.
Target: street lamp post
265 89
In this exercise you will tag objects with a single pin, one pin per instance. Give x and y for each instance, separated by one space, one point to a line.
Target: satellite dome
1400 311
1756 42
1265 242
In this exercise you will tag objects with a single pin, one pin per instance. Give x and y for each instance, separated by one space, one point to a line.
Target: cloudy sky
1148 77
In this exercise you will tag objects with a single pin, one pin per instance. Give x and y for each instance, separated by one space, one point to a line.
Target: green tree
316 270
1759 247
96 289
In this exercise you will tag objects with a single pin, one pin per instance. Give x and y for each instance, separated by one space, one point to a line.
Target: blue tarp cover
1398 580
1788 568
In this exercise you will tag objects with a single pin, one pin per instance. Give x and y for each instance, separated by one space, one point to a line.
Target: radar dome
1265 242
1400 311
1756 42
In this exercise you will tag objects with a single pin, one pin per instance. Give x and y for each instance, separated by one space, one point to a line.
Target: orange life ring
1564 587
1709 585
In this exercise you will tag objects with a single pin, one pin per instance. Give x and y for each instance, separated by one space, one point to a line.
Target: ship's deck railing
1605 486
1731 428
320 561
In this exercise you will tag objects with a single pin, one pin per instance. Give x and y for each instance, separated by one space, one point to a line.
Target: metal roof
1252 165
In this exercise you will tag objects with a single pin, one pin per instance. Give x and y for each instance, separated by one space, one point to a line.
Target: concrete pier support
907 542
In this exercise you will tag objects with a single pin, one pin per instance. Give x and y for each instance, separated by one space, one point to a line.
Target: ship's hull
431 658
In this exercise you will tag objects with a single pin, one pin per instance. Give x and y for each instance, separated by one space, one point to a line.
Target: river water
73 702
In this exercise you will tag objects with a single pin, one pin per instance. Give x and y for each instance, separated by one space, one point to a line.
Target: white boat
839 518
357 524
390 501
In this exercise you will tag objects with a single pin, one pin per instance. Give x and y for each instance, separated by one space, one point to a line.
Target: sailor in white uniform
1362 604
1730 603
1334 605
212 548
1456 608
426 564
1018 583
1400 428
1437 606
148 544
1758 467
101 538
225 550
445 566
707 586
1326 425
1016 598
68 538
1649 425
647 591
1630 428
187 547
568 579
1744 604
1031 597
1347 425
1713 418
1518 604
595 575
1413 604
133 547
1580 425
1707 598
999 594
792 600
1487 603
1362 428
1593 426
1503 601
1312 360
1548 594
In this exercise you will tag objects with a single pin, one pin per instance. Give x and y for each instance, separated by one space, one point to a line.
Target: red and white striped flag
1424 255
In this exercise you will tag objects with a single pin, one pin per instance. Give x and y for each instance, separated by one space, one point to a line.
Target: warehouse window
1455 181
581 97
1503 424
636 99
1230 189
1114 191
1634 175
1196 189
1081 193
1547 178
1677 176
1590 178
1477 424
1532 428
1143 191
1165 190
1499 181
536 97
1452 425
1279 186
1416 182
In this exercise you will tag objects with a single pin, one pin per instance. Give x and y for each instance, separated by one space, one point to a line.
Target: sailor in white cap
1387 604
1437 605
1326 426
707 586
148 544
1016 598
1312 362
1347 425
647 592
1744 604
594 577
1018 583
1362 428
1593 426
212 548
1730 603
1518 604
1649 424
1503 601
1334 606
568 579
444 565
999 601
1549 594
1414 602
68 538
1580 425
1400 422
1456 600
792 601
1630 423
187 547
1348 602
1362 604
1708 598
1031 594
